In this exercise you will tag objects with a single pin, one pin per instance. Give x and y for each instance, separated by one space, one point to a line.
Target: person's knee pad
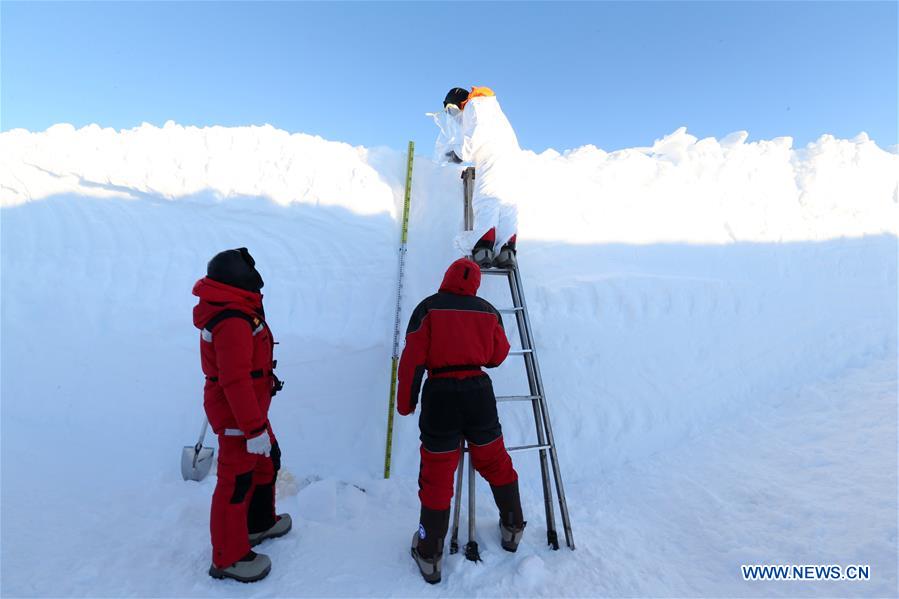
435 478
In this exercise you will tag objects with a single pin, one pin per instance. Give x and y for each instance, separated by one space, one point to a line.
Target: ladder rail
532 357
536 390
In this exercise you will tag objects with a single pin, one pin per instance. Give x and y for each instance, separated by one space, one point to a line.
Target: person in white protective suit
474 129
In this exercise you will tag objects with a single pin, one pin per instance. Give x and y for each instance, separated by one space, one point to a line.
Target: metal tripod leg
471 548
457 504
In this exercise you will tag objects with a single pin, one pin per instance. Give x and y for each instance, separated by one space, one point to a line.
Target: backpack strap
256 323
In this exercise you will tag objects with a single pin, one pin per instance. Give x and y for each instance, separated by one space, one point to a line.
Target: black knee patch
242 486
261 511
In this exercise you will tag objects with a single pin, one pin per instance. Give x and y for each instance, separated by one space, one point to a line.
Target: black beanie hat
456 96
235 268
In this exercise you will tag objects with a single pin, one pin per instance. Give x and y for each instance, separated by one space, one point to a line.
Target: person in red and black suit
236 354
452 335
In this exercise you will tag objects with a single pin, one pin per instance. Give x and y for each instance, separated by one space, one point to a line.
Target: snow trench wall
670 287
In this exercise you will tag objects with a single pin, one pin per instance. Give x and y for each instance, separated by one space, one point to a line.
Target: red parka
236 357
452 333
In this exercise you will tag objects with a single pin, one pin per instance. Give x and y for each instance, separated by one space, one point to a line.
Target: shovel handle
199 444
202 435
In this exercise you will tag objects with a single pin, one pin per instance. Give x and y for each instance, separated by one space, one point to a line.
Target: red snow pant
453 409
244 497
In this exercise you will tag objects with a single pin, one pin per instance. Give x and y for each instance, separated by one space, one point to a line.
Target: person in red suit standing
452 335
236 355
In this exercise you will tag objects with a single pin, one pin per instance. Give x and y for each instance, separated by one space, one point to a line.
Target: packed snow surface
715 320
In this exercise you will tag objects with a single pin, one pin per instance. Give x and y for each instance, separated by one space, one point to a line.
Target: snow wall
667 285
671 288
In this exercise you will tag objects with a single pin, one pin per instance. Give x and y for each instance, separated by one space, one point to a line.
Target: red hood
215 297
463 277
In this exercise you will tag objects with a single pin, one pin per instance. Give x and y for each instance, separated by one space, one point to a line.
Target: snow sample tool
196 460
545 445
396 321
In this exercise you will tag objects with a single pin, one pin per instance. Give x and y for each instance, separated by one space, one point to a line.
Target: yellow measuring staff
396 322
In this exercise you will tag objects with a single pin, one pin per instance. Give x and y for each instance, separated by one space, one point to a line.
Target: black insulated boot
510 536
482 253
427 543
262 523
511 519
428 566
506 257
280 528
250 568
483 257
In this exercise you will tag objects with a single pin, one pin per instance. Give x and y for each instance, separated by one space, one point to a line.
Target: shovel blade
195 464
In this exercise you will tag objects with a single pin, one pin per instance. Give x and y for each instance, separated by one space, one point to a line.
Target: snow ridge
716 323
681 189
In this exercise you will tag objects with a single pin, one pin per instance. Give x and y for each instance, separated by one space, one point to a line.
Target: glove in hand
260 444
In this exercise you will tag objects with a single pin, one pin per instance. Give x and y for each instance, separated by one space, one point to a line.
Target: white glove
260 444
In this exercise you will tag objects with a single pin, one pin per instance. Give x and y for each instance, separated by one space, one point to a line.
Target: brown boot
511 519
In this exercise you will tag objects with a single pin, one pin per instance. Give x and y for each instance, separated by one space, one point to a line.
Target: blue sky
567 74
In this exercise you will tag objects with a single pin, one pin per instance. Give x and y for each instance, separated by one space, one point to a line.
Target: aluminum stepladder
545 445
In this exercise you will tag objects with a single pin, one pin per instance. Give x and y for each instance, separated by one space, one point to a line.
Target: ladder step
517 397
510 310
520 352
496 271
527 448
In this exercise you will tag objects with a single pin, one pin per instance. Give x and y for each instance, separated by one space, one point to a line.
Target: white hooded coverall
481 134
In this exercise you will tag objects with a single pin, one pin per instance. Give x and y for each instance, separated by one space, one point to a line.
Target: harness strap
459 368
257 325
256 374
255 322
